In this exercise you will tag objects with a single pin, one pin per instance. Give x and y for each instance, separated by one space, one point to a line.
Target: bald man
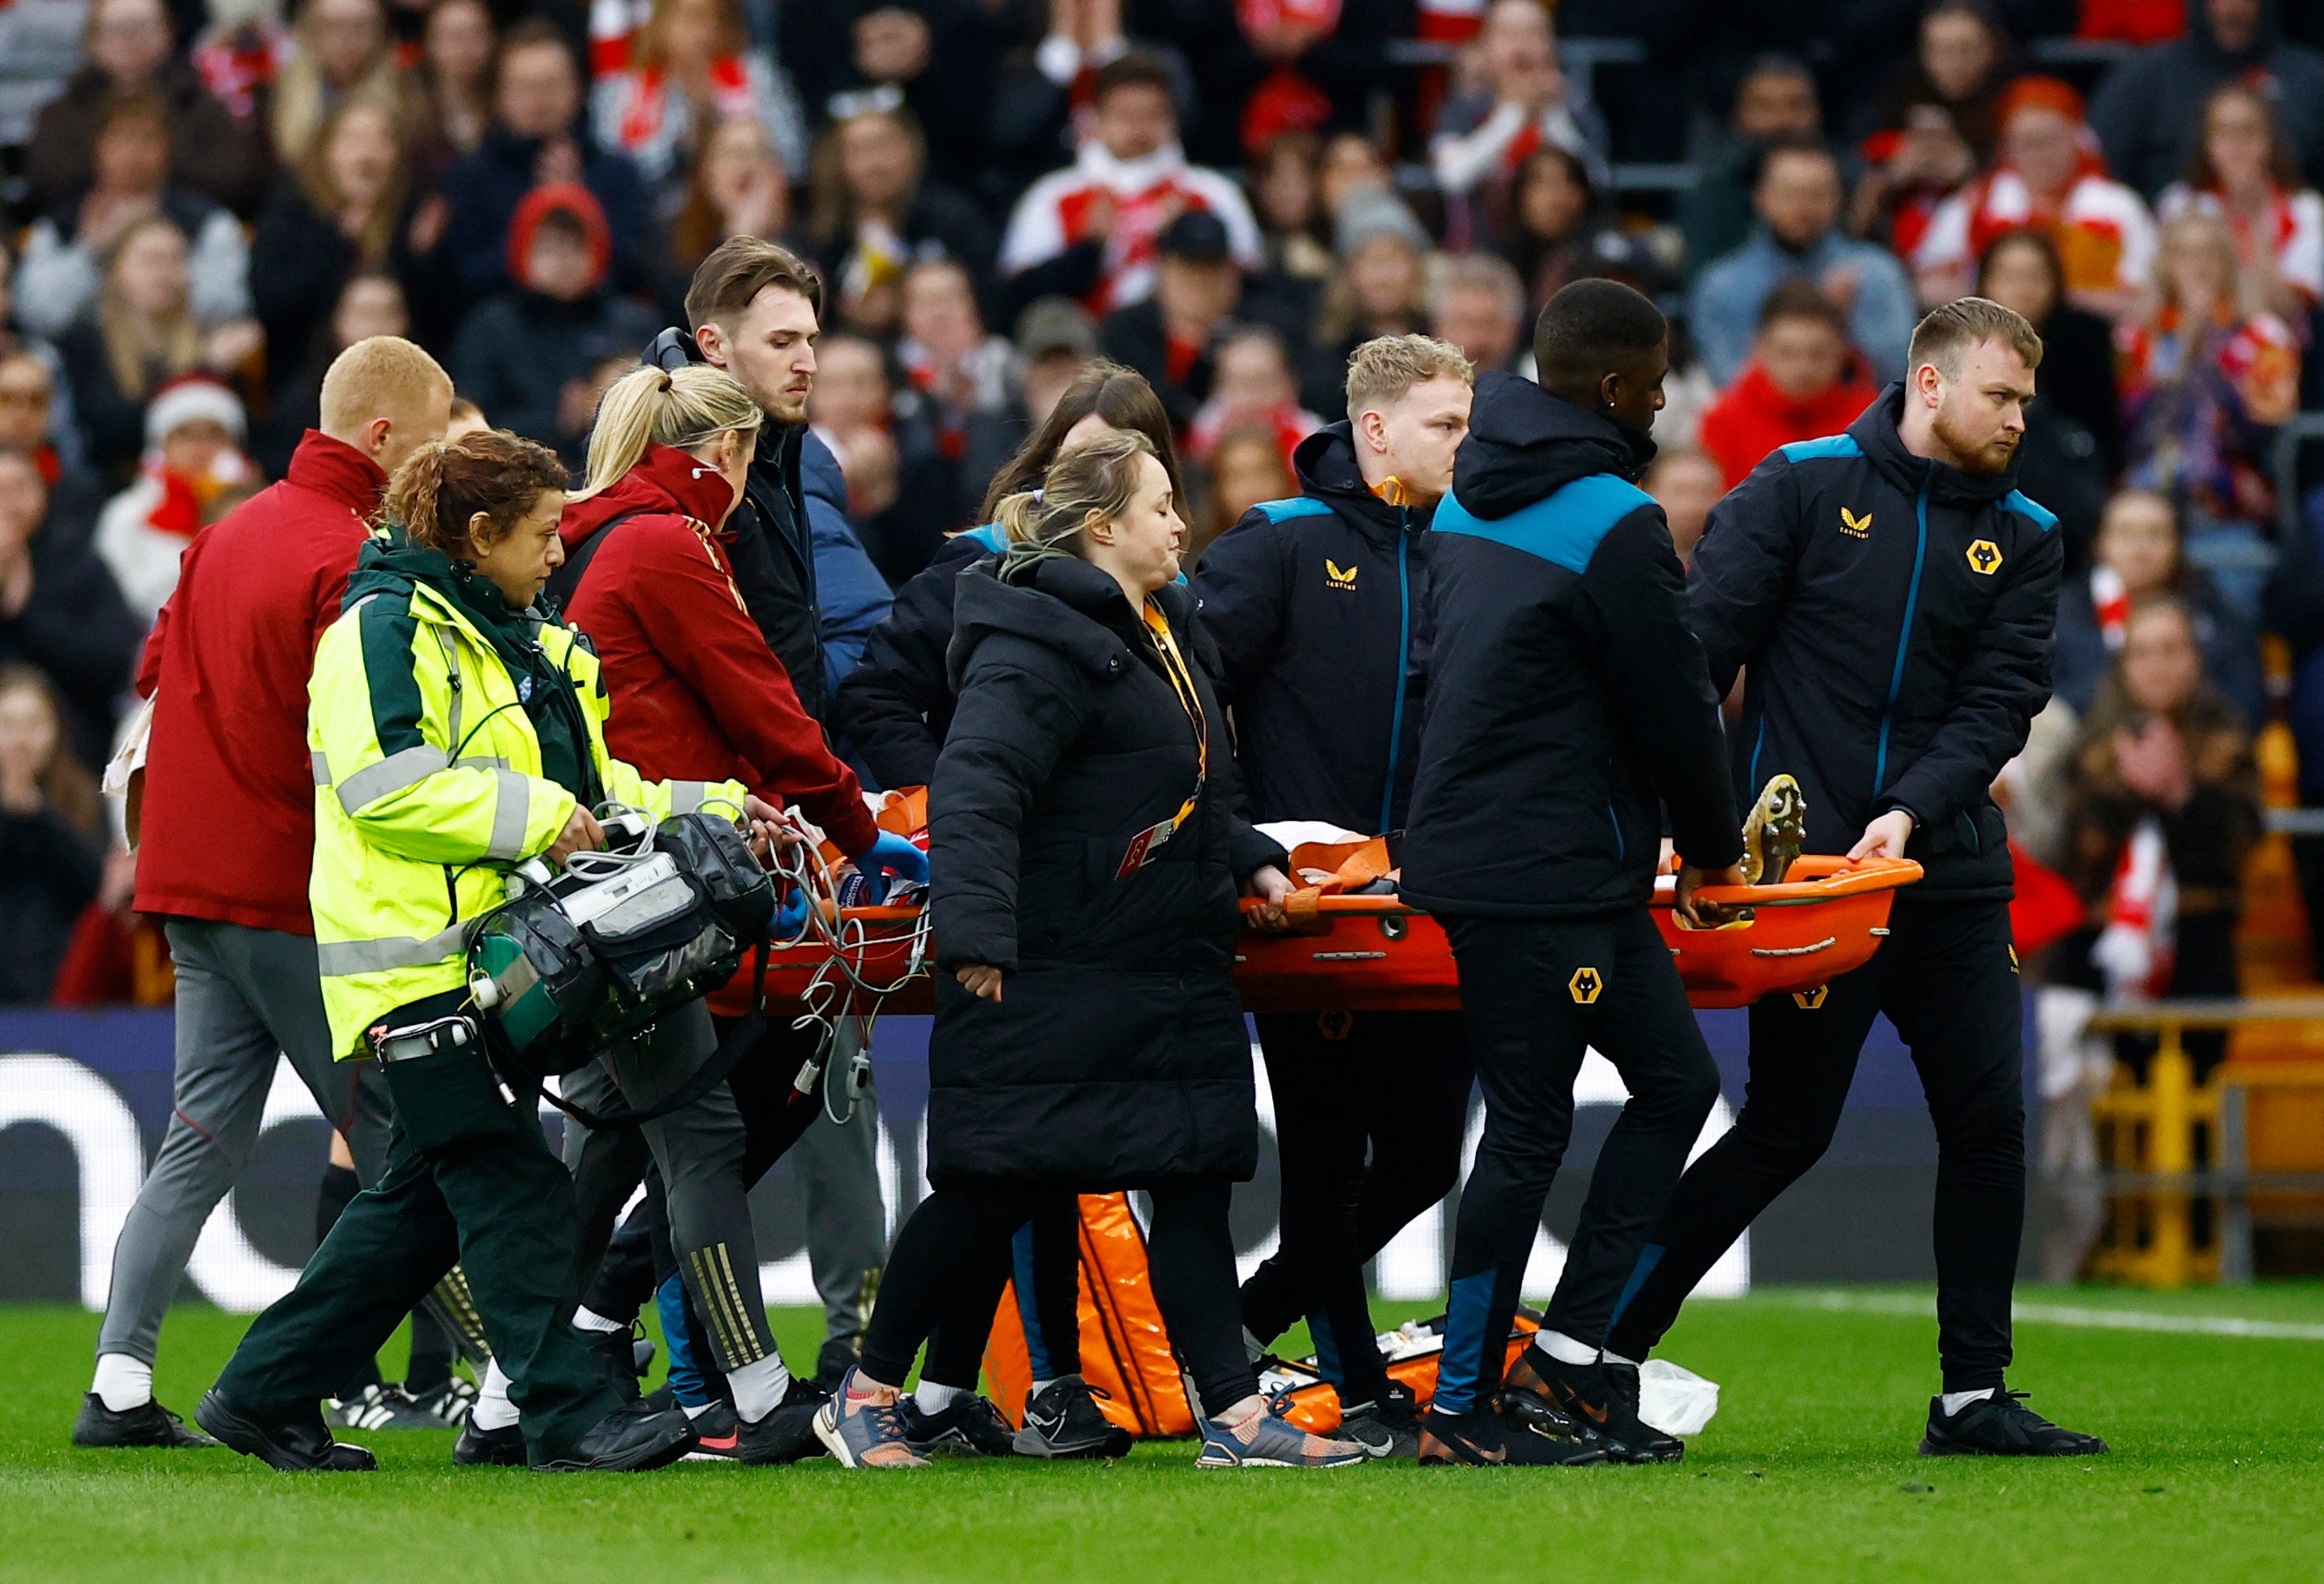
228 827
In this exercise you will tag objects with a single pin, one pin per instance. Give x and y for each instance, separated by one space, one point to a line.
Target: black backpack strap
564 582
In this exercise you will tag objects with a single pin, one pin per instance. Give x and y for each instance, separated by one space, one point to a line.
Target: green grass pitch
1807 1473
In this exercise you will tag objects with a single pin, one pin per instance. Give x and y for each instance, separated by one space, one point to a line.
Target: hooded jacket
696 695
1567 695
1319 607
1118 1053
1892 617
893 708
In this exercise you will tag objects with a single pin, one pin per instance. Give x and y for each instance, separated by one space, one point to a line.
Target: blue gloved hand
790 918
893 854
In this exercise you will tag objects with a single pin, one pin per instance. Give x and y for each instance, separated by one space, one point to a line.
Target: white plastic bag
1678 1401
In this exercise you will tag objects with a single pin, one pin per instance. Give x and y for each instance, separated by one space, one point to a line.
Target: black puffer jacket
893 708
1118 1053
1894 619
1319 606
1567 696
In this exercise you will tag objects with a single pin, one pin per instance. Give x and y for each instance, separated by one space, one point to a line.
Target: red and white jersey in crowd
1146 195
612 23
1286 422
2292 231
1451 21
2105 235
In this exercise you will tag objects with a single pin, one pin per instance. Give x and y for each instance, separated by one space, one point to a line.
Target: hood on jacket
1325 463
1059 601
574 199
665 480
1875 430
1524 443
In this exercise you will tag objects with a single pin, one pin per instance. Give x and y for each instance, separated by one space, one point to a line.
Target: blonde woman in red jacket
694 683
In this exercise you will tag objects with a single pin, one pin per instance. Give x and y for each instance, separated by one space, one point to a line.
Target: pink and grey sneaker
1263 1441
863 1426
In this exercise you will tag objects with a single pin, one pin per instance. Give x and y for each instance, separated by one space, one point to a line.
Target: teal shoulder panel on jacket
988 535
2026 505
1297 505
1830 445
1563 527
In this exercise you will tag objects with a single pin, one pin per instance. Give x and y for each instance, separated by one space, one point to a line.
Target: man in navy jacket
1890 595
1319 607
1569 704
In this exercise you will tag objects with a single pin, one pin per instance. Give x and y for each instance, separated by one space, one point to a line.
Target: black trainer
626 1441
295 1448
718 1433
1600 1400
2001 1426
149 1424
489 1449
787 1432
967 1424
1064 1421
1485 1438
1387 1425
616 1354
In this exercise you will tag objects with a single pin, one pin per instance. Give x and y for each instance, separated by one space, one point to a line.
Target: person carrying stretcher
1568 697
1319 607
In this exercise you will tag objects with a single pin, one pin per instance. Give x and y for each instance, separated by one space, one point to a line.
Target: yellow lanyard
1182 682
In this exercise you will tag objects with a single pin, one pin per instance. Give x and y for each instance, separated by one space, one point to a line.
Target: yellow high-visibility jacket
428 790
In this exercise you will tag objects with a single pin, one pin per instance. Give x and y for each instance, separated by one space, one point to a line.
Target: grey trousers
699 1151
838 1166
244 994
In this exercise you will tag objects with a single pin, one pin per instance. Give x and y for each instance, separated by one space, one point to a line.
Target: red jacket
228 821
696 693
1751 417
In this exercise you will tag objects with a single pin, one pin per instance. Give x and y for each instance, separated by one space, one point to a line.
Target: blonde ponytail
1098 474
649 406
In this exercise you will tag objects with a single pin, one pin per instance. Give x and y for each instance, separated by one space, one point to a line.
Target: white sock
1041 1386
933 1398
1565 1349
759 1387
493 1409
1955 1402
589 1319
123 1382
1608 1355
697 1409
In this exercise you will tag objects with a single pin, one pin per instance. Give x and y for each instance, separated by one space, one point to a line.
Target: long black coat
1118 1054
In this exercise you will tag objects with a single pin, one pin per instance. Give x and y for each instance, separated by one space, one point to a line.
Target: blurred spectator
194 432
2295 608
2207 375
1775 103
1962 61
340 53
851 598
1796 197
1559 229
59 277
50 862
2149 112
341 216
1525 101
141 333
2244 173
958 376
1246 466
41 48
1910 169
1092 230
942 60
1477 302
1044 90
536 137
1286 191
2163 808
690 66
2021 270
368 305
63 435
526 356
129 49
467 418
1172 334
28 407
901 496
1351 161
116 956
1803 380
61 613
1380 288
1253 391
736 189
2129 21
1686 483
873 212
1055 339
449 89
2137 558
2049 174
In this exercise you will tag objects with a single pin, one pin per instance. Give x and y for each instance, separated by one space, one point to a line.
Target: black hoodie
1892 617
1319 607
1567 695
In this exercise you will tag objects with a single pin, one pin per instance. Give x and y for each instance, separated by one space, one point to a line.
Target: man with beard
1889 593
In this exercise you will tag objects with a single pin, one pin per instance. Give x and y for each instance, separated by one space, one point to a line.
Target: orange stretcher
1352 945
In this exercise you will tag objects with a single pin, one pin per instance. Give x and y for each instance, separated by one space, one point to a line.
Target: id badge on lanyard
1149 841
